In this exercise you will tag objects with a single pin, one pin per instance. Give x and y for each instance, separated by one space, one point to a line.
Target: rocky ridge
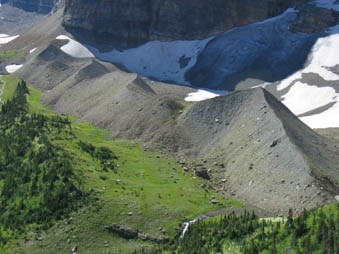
269 158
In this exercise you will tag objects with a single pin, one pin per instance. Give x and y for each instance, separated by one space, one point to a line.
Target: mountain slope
249 132
143 191
271 159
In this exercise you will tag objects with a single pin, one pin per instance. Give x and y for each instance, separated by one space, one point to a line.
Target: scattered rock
221 165
215 202
129 233
123 232
275 143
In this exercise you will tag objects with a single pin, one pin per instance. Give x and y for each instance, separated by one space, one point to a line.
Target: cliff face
41 6
132 22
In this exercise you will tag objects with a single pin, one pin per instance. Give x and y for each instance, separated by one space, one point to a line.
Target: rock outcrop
128 233
130 23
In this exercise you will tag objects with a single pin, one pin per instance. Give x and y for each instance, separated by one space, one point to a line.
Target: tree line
37 180
314 231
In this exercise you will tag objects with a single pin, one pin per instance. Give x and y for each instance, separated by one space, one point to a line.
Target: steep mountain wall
41 6
129 23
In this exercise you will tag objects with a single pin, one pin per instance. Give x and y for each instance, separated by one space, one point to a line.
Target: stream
224 211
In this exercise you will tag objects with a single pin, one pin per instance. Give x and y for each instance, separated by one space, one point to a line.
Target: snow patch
263 85
74 48
328 4
204 94
316 97
324 54
302 98
32 50
13 67
166 61
4 38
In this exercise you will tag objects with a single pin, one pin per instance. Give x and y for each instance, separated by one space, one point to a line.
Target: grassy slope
151 187
9 54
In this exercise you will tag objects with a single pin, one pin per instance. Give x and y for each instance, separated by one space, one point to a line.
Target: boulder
203 173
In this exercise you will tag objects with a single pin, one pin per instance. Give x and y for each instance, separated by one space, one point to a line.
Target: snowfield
165 61
226 53
302 98
74 48
13 67
324 55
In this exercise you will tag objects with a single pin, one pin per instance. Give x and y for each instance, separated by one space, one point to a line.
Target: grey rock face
130 23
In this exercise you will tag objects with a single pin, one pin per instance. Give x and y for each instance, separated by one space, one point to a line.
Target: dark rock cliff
128 23
41 6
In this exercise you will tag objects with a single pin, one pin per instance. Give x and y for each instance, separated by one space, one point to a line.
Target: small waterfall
187 224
